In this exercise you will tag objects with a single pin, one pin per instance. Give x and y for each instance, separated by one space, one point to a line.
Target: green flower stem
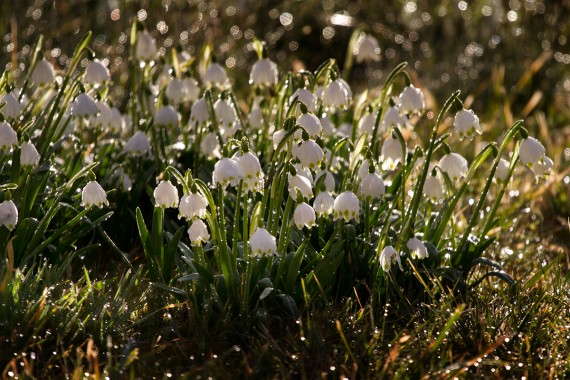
367 219
226 261
199 255
245 227
285 230
236 220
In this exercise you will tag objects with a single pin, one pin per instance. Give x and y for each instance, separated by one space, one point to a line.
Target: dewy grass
301 209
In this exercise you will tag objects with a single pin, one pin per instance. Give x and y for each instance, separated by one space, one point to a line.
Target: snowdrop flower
255 117
304 215
346 206
433 189
466 123
328 126
209 145
198 233
227 172
371 186
29 155
176 91
96 73
502 171
310 154
146 46
454 165
366 123
311 123
412 100
215 75
278 137
366 49
531 152
543 168
227 117
84 106
328 181
262 243
93 195
323 204
306 97
192 89
117 122
138 144
103 117
12 108
166 195
337 95
363 170
193 206
125 182
393 118
253 175
392 153
8 137
199 112
8 214
388 256
167 117
417 249
43 73
302 184
264 73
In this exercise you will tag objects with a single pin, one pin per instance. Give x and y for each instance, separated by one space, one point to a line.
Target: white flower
366 49
454 165
366 123
328 181
199 112
125 182
96 73
193 206
371 186
466 124
417 249
311 123
300 183
93 195
502 171
43 73
433 189
167 117
138 144
198 233
262 243
166 195
84 106
255 118
209 145
253 176
103 117
543 168
310 154
8 137
227 172
146 46
531 152
363 170
29 155
323 204
278 137
306 97
304 215
264 73
227 117
192 89
164 77
117 122
412 100
392 153
346 206
328 126
215 75
8 214
393 118
337 95
12 108
176 91
387 258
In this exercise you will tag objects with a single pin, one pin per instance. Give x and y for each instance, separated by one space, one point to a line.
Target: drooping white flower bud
138 144
311 123
531 152
346 206
125 182
278 137
192 89
388 256
29 156
328 126
193 206
146 46
264 73
304 215
300 183
310 154
166 195
12 108
43 73
366 123
210 146
198 233
337 95
253 176
366 49
93 195
8 137
433 189
392 153
543 168
393 119
84 106
255 118
96 73
306 97
215 75
167 117
176 91
417 248
371 186
227 172
363 170
323 204
502 171
262 243
328 180
466 124
199 112
454 165
412 100
227 117
117 124
8 214
103 117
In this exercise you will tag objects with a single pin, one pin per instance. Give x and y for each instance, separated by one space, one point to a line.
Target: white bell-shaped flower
29 156
117 122
393 119
262 243
93 195
328 126
176 91
302 184
304 215
227 172
328 180
366 123
366 49
391 154
388 256
125 182
8 137
310 154
417 249
278 137
193 206
215 75
8 214
192 89
337 95
363 170
311 123
433 189
227 117
166 195
210 146
323 204
198 233
531 152
103 117
253 175
454 165
96 73
43 73
255 118
346 206
371 186
466 124
264 73
138 144
199 112
167 117
502 171
146 46
306 97
412 100
12 108
84 106
543 168
304 171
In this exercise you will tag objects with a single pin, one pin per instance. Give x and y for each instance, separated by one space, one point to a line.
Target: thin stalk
236 220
